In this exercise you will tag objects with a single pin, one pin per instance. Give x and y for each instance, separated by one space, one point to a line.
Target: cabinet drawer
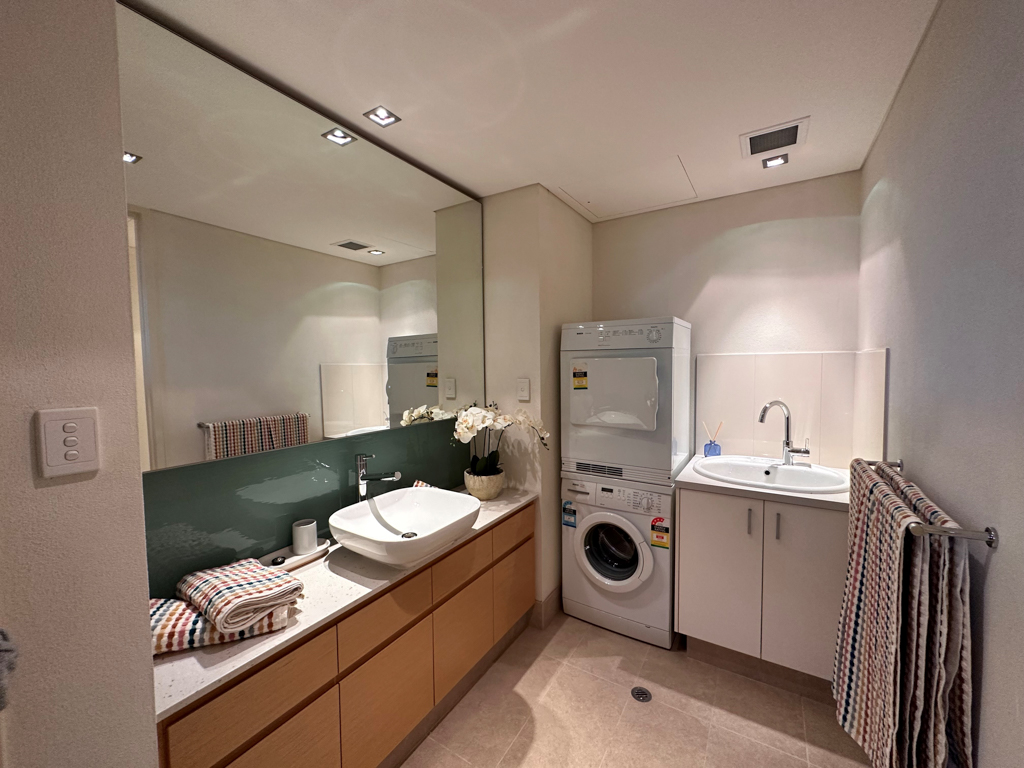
513 531
460 566
311 739
463 633
216 729
386 697
513 588
371 625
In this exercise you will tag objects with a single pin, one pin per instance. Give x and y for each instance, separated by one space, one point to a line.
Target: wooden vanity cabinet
349 696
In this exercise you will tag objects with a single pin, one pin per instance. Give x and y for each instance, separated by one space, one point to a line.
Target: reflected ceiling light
375 252
338 136
382 117
130 158
774 162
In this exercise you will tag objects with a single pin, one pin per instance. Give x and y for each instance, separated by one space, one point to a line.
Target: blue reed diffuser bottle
711 448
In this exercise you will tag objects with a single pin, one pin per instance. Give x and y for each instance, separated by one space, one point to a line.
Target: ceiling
616 106
220 147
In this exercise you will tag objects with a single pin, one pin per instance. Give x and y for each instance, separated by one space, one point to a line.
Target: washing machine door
612 553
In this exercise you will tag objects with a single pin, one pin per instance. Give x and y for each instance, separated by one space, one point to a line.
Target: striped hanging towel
943 731
263 433
866 677
237 596
177 626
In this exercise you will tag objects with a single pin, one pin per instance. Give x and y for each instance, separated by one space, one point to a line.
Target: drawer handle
750 521
778 524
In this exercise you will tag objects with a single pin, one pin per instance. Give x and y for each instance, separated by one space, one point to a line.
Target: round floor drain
409 535
641 694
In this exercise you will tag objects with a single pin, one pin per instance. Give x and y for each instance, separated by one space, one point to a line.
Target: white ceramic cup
303 537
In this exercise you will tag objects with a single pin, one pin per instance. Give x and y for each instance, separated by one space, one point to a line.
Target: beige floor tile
760 712
614 657
571 726
484 724
679 682
828 745
730 750
653 735
556 640
430 754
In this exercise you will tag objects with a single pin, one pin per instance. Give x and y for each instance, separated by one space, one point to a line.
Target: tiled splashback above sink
208 514
838 400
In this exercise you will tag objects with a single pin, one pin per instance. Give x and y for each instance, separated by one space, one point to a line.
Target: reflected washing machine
412 374
617 557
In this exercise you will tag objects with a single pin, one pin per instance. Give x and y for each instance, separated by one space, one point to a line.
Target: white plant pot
485 487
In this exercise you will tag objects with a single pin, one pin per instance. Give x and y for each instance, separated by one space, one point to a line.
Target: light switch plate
67 441
523 390
449 389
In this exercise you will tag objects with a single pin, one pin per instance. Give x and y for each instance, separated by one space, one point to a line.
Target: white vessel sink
404 527
771 474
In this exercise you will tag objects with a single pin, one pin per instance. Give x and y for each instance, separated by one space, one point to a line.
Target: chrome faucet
788 451
364 478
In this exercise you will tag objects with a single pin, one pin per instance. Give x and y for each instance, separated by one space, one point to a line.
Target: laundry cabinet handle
778 525
750 521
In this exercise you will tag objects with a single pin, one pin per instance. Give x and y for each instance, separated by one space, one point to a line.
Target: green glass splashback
203 515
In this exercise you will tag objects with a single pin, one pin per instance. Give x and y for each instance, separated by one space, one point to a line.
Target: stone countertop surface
332 585
689 480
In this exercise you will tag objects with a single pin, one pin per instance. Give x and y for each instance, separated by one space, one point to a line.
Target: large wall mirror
294 282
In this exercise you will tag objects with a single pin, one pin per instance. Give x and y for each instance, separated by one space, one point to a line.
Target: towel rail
990 535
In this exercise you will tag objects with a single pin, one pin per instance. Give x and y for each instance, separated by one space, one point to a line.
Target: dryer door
612 553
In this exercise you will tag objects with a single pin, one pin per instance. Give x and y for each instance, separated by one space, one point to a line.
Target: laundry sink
404 527
772 474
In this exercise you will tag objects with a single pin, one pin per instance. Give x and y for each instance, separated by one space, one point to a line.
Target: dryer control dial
653 335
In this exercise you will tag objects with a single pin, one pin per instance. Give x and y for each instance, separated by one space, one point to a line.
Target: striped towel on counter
866 678
178 626
943 732
234 597
264 433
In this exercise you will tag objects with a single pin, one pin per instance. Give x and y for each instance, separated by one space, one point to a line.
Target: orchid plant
473 422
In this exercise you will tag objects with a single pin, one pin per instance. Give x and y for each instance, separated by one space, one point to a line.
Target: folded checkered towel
234 597
178 626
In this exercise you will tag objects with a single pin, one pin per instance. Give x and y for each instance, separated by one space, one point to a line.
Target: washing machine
617 557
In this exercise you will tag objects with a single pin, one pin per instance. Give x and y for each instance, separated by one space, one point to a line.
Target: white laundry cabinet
761 577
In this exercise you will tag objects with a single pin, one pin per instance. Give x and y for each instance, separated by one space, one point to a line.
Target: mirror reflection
289 287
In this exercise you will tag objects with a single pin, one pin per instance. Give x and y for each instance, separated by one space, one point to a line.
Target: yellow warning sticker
579 378
432 378
660 533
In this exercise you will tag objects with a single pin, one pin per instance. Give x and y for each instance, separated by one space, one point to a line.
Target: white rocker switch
449 389
523 390
67 440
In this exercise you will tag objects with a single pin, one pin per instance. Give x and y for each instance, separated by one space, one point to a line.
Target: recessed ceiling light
375 252
338 136
382 117
130 158
774 162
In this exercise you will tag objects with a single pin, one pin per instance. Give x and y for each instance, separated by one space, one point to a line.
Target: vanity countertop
333 585
689 480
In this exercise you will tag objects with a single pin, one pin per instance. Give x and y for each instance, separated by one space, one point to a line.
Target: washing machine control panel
630 499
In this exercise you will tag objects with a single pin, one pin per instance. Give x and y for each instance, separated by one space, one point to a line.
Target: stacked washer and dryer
625 436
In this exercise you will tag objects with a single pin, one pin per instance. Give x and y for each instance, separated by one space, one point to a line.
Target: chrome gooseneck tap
788 451
364 478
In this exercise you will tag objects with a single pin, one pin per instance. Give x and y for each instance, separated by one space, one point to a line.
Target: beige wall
238 326
73 593
942 284
537 256
460 302
408 298
767 271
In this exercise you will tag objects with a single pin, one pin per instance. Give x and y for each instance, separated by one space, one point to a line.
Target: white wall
942 284
408 298
767 271
73 593
537 257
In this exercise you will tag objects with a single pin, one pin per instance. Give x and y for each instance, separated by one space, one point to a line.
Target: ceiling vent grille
774 137
352 245
766 142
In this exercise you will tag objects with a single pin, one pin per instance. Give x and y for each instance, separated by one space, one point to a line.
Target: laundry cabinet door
804 578
718 569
